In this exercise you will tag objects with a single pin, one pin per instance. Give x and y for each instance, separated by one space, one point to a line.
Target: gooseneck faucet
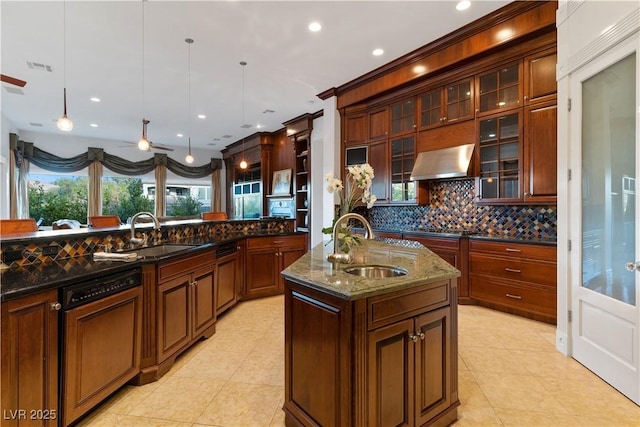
133 240
336 257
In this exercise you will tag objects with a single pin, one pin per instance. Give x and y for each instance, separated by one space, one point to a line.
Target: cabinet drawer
277 241
386 309
185 264
540 272
514 249
533 299
435 242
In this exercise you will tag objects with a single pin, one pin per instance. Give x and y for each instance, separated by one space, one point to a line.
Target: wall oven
100 340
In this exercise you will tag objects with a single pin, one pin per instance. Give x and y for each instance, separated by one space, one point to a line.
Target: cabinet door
500 158
288 255
500 88
102 350
227 277
203 302
430 107
30 359
262 271
174 329
402 160
540 76
378 123
355 129
540 153
391 375
458 101
379 161
433 366
403 116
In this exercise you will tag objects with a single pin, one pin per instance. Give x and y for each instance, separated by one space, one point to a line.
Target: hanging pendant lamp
143 143
189 157
243 162
64 123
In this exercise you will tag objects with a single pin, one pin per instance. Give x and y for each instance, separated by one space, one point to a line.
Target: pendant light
243 162
189 158
64 123
143 143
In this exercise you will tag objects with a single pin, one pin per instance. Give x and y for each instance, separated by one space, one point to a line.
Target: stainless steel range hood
450 162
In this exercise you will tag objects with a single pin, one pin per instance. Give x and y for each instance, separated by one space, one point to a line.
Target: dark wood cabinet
91 372
29 374
499 88
378 123
354 129
540 153
540 76
227 280
385 360
186 309
379 161
515 277
266 257
446 104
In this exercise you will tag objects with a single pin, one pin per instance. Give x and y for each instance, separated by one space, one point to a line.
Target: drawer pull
512 270
512 250
513 296
277 241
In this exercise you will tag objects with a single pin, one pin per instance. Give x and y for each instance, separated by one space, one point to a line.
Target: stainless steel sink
376 271
160 250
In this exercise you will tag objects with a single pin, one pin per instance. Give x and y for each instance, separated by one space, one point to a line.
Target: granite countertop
423 266
471 234
30 279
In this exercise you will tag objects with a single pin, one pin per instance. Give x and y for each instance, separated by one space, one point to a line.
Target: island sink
376 271
160 250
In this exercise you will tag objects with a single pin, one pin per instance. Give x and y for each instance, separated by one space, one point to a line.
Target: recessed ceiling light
179 135
202 116
93 125
377 52
95 99
258 126
463 5
315 27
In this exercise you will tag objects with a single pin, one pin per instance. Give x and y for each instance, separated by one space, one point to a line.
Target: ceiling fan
150 144
12 80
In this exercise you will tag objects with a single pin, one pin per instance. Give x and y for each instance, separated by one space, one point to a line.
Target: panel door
604 232
203 304
174 328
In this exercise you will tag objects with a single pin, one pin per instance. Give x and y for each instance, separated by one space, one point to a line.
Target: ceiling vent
37 125
226 136
245 126
14 90
267 111
39 66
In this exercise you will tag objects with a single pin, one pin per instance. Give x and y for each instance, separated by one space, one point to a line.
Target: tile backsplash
453 206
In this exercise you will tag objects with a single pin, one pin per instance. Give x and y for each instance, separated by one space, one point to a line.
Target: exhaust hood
450 162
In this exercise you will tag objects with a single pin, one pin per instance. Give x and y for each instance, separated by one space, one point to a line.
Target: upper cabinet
378 120
540 76
446 104
500 88
354 129
403 116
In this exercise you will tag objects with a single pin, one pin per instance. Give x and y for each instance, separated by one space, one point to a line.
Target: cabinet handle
56 306
238 248
444 119
277 241
512 250
421 335
195 283
513 296
526 97
512 270
413 337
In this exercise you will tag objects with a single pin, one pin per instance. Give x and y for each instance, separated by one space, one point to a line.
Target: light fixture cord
64 51
142 4
243 63
189 41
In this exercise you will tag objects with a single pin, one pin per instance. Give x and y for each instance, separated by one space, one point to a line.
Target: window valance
51 162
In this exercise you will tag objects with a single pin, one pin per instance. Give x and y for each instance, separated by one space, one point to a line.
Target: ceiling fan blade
12 80
161 147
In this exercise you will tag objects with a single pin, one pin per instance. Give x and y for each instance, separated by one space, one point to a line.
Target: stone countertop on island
423 267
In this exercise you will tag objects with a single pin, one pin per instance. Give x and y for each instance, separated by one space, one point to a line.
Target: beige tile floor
510 375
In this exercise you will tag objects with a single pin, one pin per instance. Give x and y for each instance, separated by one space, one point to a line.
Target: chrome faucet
347 258
133 240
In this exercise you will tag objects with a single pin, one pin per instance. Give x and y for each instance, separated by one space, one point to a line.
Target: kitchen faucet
133 240
346 258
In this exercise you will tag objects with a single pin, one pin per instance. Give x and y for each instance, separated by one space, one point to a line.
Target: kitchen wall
453 206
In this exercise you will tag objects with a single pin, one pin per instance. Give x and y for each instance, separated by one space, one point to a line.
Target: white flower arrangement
358 188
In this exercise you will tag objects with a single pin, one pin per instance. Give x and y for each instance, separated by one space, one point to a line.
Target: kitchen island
363 351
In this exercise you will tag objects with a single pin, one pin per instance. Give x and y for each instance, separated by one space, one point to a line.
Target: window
54 197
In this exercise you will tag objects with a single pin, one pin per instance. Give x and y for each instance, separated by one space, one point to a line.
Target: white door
604 229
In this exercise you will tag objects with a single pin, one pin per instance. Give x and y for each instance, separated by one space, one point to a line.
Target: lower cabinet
455 251
266 257
179 308
29 374
227 280
517 278
384 360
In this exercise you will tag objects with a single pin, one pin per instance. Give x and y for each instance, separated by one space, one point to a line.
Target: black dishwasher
100 340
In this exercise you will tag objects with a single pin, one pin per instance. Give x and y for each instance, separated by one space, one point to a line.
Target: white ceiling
287 64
